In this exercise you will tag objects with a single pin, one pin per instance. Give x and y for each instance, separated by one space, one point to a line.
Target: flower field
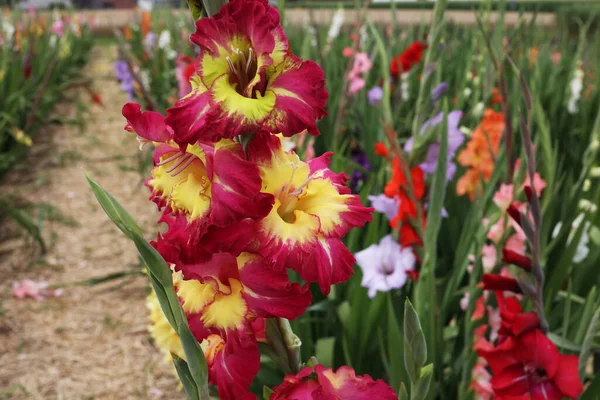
225 202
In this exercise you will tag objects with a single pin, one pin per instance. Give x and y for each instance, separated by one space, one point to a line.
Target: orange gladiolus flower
146 23
480 153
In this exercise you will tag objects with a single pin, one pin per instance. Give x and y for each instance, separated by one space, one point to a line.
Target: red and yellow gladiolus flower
222 293
313 210
212 184
320 383
246 80
233 360
226 293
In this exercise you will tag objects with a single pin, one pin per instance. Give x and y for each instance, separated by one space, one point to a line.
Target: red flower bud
512 257
502 283
514 213
528 192
381 149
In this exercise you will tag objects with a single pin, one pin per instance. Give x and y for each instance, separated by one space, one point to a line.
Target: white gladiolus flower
404 92
336 25
582 250
164 40
576 86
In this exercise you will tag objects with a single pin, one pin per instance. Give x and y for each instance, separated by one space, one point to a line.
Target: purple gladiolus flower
385 265
383 204
375 94
455 139
125 77
438 91
150 40
359 157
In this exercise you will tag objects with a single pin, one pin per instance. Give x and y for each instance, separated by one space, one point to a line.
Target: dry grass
90 343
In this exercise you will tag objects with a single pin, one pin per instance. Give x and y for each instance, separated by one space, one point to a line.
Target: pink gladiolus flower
496 232
347 52
356 85
362 63
516 243
489 257
34 290
58 28
538 183
481 383
504 196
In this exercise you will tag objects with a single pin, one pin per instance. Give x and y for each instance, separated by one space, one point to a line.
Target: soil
90 342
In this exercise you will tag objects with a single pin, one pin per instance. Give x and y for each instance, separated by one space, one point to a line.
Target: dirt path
90 343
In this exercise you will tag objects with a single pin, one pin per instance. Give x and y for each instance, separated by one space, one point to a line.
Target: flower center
181 160
289 198
385 269
535 373
242 70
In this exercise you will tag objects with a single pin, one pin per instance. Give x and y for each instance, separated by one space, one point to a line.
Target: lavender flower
383 204
150 40
455 139
438 91
375 95
384 265
124 76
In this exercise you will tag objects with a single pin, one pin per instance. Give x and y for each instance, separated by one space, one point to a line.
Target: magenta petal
269 293
148 124
189 116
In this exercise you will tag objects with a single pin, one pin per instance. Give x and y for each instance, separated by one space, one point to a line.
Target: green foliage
193 371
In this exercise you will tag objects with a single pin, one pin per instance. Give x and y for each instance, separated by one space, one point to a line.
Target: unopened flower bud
521 261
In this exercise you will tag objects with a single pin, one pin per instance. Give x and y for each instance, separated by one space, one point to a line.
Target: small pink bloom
494 321
538 183
464 302
556 56
347 52
489 257
362 63
496 231
516 243
481 383
356 85
504 196
58 27
34 290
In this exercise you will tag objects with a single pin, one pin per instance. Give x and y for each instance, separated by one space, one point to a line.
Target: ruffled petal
567 377
236 185
269 293
233 361
300 97
344 384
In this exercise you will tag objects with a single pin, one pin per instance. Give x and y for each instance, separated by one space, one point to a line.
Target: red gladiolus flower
530 367
320 383
496 96
512 257
407 209
502 283
405 61
513 321
381 149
